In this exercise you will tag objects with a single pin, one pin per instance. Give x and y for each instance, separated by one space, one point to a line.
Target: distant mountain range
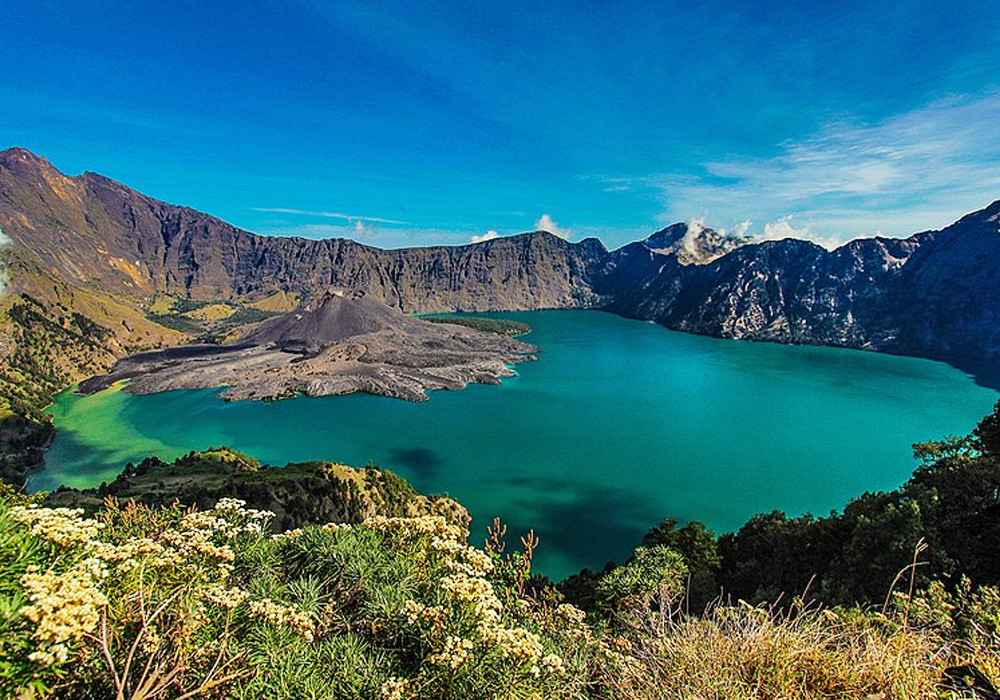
933 294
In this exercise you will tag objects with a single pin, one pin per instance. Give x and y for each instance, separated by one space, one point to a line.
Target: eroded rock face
98 232
338 343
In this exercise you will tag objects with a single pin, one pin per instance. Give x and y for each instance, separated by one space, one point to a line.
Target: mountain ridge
925 295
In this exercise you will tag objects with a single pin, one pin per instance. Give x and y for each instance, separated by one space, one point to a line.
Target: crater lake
618 424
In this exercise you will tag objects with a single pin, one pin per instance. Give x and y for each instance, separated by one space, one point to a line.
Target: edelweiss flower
279 614
64 526
456 652
64 606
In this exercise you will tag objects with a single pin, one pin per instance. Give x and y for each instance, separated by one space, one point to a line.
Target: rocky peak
693 244
332 316
17 154
24 164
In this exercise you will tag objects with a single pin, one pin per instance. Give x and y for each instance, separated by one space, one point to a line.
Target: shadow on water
588 522
983 374
91 465
421 462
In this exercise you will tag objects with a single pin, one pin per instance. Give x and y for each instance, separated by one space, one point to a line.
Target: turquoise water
618 424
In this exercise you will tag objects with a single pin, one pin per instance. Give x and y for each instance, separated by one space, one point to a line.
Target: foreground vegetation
143 602
143 598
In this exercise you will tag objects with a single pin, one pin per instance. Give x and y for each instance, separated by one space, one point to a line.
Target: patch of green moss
501 326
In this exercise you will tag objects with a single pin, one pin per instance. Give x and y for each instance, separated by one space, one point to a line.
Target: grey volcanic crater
340 342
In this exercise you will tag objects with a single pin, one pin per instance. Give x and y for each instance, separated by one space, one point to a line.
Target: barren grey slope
339 343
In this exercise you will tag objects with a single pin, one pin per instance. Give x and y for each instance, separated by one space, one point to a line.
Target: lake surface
617 425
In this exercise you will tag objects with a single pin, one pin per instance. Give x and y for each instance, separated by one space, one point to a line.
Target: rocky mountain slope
930 294
100 234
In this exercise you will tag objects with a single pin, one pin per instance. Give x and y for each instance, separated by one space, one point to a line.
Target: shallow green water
618 424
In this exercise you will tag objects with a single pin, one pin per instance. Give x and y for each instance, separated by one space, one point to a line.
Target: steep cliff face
944 301
784 291
99 233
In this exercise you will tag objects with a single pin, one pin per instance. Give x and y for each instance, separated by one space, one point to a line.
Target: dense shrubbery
161 602
170 602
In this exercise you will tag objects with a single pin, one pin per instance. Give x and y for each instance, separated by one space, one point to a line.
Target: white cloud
918 170
545 223
740 229
695 226
488 236
4 240
362 229
781 229
329 215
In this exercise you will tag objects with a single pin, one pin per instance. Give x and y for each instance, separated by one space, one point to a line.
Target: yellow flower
456 652
64 526
297 620
394 689
64 606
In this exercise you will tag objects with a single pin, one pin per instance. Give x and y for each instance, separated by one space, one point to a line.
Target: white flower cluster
235 506
434 525
456 652
552 663
467 586
227 598
414 613
394 689
461 558
288 534
230 517
64 607
516 641
297 620
140 550
64 526
570 614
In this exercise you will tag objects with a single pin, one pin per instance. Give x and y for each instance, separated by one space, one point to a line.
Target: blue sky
412 123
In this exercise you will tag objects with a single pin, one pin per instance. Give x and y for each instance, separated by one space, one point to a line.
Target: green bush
143 602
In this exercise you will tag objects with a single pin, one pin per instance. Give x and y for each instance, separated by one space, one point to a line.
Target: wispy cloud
488 236
545 223
329 215
371 235
921 169
4 240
